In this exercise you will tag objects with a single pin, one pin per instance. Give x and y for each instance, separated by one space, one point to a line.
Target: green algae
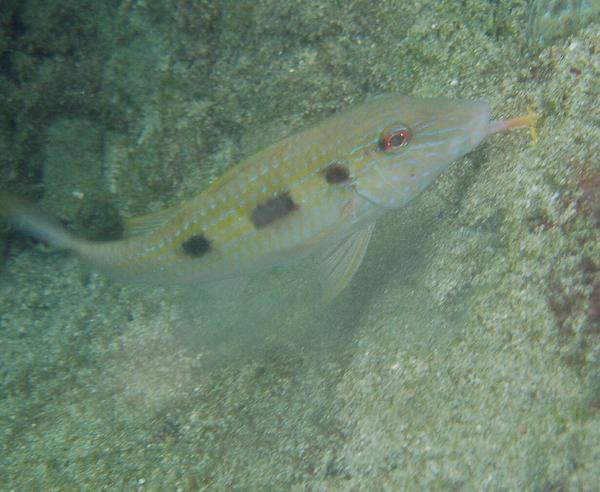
462 356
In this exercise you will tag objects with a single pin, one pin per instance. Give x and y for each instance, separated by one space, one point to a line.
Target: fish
319 191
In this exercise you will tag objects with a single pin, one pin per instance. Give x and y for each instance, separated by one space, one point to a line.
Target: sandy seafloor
465 355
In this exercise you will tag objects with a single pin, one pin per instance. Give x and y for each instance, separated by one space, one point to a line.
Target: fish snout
463 129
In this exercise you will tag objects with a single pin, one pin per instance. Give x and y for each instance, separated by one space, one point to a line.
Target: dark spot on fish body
196 246
336 173
272 210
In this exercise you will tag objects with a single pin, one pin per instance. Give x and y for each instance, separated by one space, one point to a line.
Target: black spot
196 246
272 210
336 173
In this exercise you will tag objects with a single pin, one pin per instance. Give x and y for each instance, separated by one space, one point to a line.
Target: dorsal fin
340 263
145 224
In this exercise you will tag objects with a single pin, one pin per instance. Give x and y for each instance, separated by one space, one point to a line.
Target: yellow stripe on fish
320 189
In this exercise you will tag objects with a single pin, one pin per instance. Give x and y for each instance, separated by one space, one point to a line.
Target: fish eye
394 138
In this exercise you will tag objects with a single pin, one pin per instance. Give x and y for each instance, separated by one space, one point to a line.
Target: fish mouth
465 129
479 126
441 139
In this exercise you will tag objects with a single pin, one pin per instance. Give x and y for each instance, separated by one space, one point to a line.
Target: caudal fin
27 218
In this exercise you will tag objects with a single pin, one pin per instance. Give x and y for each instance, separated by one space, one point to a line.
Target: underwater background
465 354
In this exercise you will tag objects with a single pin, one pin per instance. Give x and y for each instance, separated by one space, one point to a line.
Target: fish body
320 189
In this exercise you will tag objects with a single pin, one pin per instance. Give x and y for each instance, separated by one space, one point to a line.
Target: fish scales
321 189
222 212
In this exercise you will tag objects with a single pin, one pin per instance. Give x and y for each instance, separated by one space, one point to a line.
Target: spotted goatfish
319 190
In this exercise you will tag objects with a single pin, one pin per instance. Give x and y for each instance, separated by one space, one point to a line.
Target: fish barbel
319 190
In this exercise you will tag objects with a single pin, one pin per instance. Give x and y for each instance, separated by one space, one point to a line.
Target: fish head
409 141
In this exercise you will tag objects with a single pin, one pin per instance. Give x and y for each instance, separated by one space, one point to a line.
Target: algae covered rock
553 19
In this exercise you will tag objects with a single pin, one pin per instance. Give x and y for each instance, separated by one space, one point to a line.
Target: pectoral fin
340 263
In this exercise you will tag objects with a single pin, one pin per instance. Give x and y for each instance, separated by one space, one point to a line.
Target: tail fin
25 217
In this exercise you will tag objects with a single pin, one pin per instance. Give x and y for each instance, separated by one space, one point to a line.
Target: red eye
394 138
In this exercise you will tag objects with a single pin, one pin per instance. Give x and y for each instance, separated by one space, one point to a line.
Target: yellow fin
341 262
145 224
